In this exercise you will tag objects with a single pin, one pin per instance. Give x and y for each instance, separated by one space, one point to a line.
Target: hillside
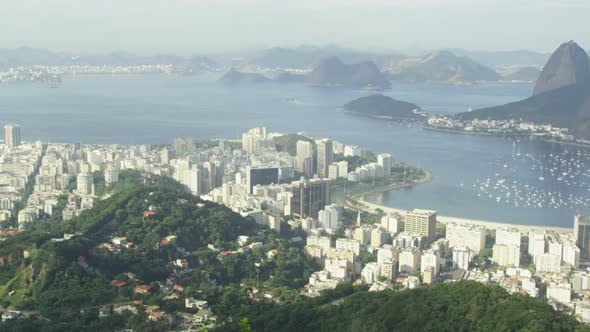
526 74
566 107
380 105
333 72
120 245
234 77
460 306
444 66
561 98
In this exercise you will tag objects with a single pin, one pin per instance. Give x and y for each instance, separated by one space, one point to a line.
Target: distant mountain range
561 95
380 105
444 66
525 74
333 72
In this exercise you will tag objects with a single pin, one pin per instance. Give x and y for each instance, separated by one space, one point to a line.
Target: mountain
528 74
502 58
199 64
333 72
444 66
568 65
380 105
561 98
234 77
306 56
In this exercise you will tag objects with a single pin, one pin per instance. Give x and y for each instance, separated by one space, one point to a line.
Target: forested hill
460 306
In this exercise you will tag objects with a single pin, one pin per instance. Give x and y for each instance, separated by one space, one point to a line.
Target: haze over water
155 109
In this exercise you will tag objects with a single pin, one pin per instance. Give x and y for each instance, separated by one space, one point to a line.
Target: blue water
155 109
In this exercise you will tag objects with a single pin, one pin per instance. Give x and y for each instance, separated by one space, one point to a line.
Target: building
333 171
349 244
309 197
508 236
465 235
325 157
582 234
506 255
409 261
362 234
384 160
378 237
560 293
462 256
261 176
548 263
430 259
429 275
387 252
85 184
370 273
391 223
388 268
304 151
537 243
421 222
329 216
352 151
12 135
324 242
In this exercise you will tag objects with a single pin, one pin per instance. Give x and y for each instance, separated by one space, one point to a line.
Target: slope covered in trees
461 306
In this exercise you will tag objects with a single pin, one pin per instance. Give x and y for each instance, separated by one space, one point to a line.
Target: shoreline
358 202
530 135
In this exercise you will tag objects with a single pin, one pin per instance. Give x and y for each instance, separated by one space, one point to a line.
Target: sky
213 26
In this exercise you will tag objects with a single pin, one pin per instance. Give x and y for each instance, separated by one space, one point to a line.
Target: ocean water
155 109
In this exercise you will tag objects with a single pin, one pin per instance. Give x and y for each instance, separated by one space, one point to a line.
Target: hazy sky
200 26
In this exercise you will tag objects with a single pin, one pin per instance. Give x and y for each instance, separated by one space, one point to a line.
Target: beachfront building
421 222
466 235
582 234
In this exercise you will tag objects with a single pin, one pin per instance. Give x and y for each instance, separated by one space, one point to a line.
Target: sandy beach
371 207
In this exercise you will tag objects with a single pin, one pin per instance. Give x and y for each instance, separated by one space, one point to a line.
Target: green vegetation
460 306
66 281
288 143
380 105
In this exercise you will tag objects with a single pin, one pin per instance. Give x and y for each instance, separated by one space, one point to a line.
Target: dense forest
460 306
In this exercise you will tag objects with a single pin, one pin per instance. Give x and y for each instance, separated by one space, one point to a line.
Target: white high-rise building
384 160
571 254
325 157
329 216
304 150
508 236
111 173
370 273
391 223
464 235
537 243
342 169
333 171
85 184
430 259
462 256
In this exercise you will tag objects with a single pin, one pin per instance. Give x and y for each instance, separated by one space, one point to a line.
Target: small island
381 106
